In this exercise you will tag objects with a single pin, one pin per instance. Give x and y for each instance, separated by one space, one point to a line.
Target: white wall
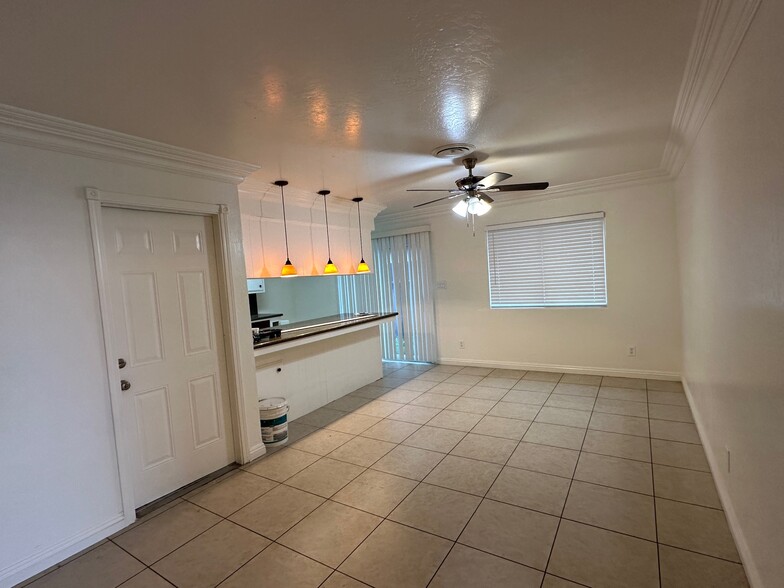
642 281
59 484
730 217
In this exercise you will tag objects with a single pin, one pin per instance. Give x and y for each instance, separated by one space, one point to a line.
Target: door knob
121 363
125 385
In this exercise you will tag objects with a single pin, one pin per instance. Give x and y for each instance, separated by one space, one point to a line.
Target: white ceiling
352 95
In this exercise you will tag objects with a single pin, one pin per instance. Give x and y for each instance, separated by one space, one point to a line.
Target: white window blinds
550 262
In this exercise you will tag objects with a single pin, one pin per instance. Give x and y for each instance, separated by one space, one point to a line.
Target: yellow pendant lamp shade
330 268
288 270
362 267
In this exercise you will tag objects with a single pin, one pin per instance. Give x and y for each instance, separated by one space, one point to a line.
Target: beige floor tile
673 398
232 493
379 408
581 379
362 451
322 441
320 417
684 568
543 376
414 414
621 407
450 389
514 410
498 382
353 424
400 395
533 490
408 462
465 566
476 371
297 431
511 532
617 510
433 400
555 435
325 477
211 557
391 381
584 403
338 580
432 376
453 419
616 382
446 369
389 430
545 459
347 403
623 394
664 385
681 455
583 390
436 510
370 392
158 537
375 492
500 427
563 416
670 412
330 533
505 373
463 378
396 556
527 397
417 385
551 581
146 579
474 405
618 445
281 465
435 439
278 566
592 557
616 472
685 485
527 385
464 475
277 511
486 393
485 448
695 528
104 566
674 431
614 423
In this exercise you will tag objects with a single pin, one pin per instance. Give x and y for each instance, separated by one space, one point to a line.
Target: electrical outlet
631 351
441 285
461 344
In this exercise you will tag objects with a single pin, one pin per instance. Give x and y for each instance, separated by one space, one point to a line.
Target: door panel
163 286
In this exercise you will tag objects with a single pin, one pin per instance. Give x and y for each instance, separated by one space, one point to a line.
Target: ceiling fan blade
519 187
486 198
429 190
437 200
493 179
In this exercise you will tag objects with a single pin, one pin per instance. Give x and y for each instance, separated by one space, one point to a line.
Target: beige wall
642 280
731 239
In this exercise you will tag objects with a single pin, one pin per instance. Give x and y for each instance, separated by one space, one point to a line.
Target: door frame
97 200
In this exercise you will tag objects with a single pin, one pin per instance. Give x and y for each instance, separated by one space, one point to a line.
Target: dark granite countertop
317 326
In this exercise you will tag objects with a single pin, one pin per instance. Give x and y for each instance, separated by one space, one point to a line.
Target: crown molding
636 178
260 190
721 27
33 129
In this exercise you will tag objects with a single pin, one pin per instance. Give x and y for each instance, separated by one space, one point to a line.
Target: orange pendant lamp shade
362 267
288 270
330 268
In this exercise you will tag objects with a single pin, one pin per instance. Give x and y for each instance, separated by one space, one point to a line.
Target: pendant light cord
361 247
326 219
285 229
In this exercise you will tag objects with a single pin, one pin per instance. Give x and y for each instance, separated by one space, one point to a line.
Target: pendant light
288 269
362 267
330 268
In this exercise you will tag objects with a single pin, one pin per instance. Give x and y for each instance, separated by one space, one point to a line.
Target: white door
163 288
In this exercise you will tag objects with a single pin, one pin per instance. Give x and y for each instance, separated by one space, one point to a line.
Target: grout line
653 487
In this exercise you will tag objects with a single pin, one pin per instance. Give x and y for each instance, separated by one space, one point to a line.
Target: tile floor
442 476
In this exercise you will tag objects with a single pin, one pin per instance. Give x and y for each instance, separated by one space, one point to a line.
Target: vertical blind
549 262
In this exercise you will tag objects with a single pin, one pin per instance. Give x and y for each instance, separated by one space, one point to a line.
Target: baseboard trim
752 574
38 562
568 369
256 452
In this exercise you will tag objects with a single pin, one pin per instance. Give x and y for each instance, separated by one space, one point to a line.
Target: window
549 262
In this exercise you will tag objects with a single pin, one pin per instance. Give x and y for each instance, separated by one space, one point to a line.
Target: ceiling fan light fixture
478 206
461 208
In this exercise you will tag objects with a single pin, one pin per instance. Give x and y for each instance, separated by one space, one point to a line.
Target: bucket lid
271 403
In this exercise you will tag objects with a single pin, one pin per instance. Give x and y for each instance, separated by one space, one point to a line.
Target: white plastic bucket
273 420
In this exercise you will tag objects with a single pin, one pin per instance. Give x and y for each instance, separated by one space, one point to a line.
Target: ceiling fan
473 190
